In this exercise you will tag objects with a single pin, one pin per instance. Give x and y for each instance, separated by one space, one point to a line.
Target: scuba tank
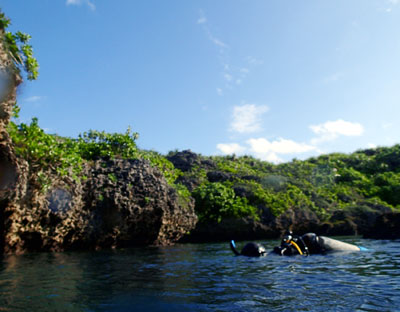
291 245
310 243
330 244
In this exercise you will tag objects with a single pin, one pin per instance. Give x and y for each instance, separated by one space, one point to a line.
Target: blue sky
274 79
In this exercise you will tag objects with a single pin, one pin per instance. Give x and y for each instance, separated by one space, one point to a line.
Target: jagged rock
10 168
242 191
298 220
387 226
185 160
208 164
218 176
132 204
190 182
121 203
227 229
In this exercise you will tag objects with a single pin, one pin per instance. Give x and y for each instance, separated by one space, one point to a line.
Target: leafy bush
388 187
45 151
163 164
215 201
19 49
97 144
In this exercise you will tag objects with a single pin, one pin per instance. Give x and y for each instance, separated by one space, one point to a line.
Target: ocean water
203 277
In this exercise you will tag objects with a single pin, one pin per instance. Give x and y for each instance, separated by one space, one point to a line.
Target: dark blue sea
202 277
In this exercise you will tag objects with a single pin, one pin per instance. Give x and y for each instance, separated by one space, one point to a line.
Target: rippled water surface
204 277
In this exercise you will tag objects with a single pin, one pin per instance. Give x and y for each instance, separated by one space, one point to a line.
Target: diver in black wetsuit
307 244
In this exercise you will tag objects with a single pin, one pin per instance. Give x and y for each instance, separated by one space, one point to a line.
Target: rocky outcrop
114 203
387 226
354 222
186 160
10 167
130 203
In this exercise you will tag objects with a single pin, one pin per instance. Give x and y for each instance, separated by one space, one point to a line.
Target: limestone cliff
113 203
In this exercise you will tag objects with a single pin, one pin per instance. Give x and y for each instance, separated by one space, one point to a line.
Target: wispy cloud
331 130
202 18
334 77
230 148
254 61
34 98
89 3
390 5
247 118
233 73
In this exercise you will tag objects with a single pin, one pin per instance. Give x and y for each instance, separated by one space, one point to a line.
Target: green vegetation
44 151
365 180
223 187
248 186
215 201
99 144
19 49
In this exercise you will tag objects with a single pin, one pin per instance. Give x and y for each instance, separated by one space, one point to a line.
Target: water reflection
204 277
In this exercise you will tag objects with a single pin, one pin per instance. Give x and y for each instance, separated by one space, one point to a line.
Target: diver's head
287 237
253 250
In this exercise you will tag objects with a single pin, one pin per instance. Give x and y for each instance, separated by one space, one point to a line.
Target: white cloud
217 41
247 118
269 150
371 145
81 2
279 146
34 98
220 92
230 148
331 130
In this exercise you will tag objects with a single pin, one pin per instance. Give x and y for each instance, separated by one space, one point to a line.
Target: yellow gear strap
297 247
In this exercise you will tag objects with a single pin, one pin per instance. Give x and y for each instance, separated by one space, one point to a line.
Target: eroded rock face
387 226
10 167
131 204
118 203
185 160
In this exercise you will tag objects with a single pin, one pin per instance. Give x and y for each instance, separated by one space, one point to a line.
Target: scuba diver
305 245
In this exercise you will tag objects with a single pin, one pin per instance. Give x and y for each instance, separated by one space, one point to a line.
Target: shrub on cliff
215 201
98 144
45 151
